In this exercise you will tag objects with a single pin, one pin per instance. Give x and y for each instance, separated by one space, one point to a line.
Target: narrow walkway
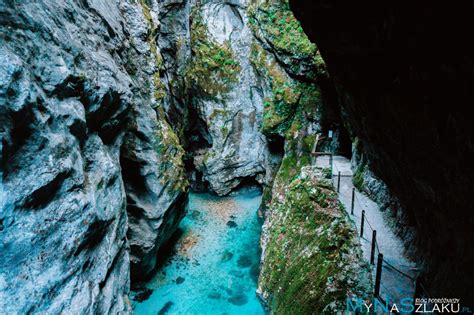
394 285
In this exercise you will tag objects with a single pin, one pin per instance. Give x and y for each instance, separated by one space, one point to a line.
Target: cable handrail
398 270
370 226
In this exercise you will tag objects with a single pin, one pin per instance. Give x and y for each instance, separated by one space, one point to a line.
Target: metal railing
419 288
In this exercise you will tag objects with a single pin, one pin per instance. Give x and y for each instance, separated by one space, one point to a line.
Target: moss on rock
274 23
171 155
167 143
312 260
280 26
288 95
213 67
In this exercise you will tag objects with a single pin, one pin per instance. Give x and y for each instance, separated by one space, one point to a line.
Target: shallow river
213 268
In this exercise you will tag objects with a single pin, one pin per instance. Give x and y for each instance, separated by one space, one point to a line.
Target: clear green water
214 266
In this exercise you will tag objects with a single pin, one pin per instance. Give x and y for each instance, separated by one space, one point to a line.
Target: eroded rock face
233 114
84 141
405 78
174 42
214 95
237 73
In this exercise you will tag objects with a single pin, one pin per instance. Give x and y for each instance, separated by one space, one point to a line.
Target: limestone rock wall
87 178
228 97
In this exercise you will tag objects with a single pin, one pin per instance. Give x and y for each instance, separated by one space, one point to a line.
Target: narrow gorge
169 156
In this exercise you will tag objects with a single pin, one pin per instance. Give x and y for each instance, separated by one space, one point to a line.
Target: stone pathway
394 285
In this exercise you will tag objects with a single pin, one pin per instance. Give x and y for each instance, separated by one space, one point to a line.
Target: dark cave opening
337 138
276 145
197 139
197 133
345 143
247 184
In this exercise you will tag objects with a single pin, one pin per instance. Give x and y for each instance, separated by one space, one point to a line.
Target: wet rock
231 224
239 299
233 148
226 145
179 280
244 261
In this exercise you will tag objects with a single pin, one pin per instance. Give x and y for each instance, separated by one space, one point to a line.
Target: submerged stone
214 295
231 224
239 299
165 308
228 255
142 294
179 280
254 272
244 261
195 214
236 273
214 283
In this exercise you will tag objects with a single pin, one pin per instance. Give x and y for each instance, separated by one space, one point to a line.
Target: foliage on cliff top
279 24
213 68
287 94
274 24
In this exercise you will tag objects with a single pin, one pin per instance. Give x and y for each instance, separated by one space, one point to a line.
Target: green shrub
281 27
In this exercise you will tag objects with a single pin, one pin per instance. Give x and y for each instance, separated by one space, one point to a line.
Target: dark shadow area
247 184
404 73
345 143
276 145
197 134
166 251
197 139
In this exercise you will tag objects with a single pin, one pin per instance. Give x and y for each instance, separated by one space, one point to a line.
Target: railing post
352 202
378 275
362 223
338 181
372 251
330 164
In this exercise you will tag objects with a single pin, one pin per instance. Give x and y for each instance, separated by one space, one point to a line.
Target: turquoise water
214 265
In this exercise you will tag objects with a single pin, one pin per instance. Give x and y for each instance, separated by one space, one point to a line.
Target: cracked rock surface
84 156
